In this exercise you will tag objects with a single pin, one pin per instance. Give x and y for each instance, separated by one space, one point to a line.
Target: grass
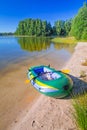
69 40
82 74
80 107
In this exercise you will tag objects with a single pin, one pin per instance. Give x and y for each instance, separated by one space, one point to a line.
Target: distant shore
53 114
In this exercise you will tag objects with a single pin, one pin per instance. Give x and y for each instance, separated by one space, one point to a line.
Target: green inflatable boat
49 81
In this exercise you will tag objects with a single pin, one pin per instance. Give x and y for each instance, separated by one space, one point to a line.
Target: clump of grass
69 40
84 63
80 106
82 74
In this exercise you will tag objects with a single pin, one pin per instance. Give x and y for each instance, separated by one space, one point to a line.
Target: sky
13 11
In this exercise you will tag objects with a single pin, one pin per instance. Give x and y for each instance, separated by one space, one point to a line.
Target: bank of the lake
55 114
66 40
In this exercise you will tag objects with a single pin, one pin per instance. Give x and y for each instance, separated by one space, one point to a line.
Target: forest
76 27
37 27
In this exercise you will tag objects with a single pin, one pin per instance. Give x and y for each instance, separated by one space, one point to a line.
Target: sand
42 113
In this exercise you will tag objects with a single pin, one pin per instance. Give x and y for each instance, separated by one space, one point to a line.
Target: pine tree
79 23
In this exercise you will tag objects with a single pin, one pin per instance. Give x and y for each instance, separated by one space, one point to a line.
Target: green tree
49 29
68 26
38 26
84 35
79 23
20 29
31 29
54 30
60 28
44 28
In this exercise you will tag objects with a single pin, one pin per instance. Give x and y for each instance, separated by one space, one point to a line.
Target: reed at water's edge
70 40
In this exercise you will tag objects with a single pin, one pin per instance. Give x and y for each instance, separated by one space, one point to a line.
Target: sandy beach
38 112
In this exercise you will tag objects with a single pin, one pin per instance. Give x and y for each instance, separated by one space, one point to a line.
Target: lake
16 49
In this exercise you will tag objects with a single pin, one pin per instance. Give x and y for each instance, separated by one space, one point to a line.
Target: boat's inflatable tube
49 81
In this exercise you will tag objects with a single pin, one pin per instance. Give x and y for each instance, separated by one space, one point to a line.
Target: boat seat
38 70
50 76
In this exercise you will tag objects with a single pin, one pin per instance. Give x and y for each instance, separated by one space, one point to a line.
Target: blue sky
13 11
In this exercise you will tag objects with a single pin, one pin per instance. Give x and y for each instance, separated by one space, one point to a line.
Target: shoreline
55 114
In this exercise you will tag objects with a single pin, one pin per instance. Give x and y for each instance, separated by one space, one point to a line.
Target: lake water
16 49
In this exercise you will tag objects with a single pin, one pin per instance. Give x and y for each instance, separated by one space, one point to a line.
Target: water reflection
39 44
16 49
67 46
34 44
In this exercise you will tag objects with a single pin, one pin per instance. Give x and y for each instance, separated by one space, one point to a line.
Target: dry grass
82 74
84 63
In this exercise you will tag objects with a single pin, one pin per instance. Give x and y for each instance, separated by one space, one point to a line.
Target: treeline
34 27
37 27
6 34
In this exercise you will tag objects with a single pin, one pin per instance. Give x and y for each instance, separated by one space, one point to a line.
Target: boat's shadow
79 86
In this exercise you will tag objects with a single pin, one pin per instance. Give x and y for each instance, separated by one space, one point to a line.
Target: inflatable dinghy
49 81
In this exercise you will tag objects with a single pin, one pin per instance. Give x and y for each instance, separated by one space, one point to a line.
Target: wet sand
49 113
15 95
